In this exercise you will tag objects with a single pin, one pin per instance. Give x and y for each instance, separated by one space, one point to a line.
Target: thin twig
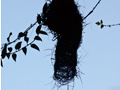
112 25
23 47
18 38
30 27
92 10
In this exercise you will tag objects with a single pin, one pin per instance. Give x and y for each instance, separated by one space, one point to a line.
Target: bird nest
65 22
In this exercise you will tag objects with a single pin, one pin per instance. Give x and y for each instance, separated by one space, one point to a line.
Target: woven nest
65 64
65 22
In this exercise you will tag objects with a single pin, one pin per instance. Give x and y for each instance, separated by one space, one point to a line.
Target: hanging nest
65 22
65 62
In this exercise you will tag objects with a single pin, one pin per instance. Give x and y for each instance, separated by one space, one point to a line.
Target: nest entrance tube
65 22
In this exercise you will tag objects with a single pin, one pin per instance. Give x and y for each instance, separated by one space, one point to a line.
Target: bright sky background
99 52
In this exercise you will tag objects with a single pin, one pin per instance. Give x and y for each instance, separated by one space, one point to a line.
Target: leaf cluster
100 23
7 51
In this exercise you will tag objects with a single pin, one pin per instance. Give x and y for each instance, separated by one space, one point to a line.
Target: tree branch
91 10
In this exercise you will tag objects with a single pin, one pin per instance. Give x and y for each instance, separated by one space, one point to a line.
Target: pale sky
99 51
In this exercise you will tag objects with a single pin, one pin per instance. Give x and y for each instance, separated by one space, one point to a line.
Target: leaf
10 34
98 23
10 49
24 49
38 29
1 63
37 38
38 18
45 8
26 39
18 45
8 38
35 47
102 26
43 32
21 34
4 51
8 55
101 22
14 56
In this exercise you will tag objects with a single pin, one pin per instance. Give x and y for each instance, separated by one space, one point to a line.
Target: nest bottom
65 66
64 75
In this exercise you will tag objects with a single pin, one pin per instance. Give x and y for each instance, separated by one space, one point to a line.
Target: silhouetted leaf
98 23
37 38
18 45
4 51
102 26
14 56
1 63
24 49
43 32
38 29
21 34
26 39
38 18
101 22
35 47
10 49
45 8
8 38
8 55
10 34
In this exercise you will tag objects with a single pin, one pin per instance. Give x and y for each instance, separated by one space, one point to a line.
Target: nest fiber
64 19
